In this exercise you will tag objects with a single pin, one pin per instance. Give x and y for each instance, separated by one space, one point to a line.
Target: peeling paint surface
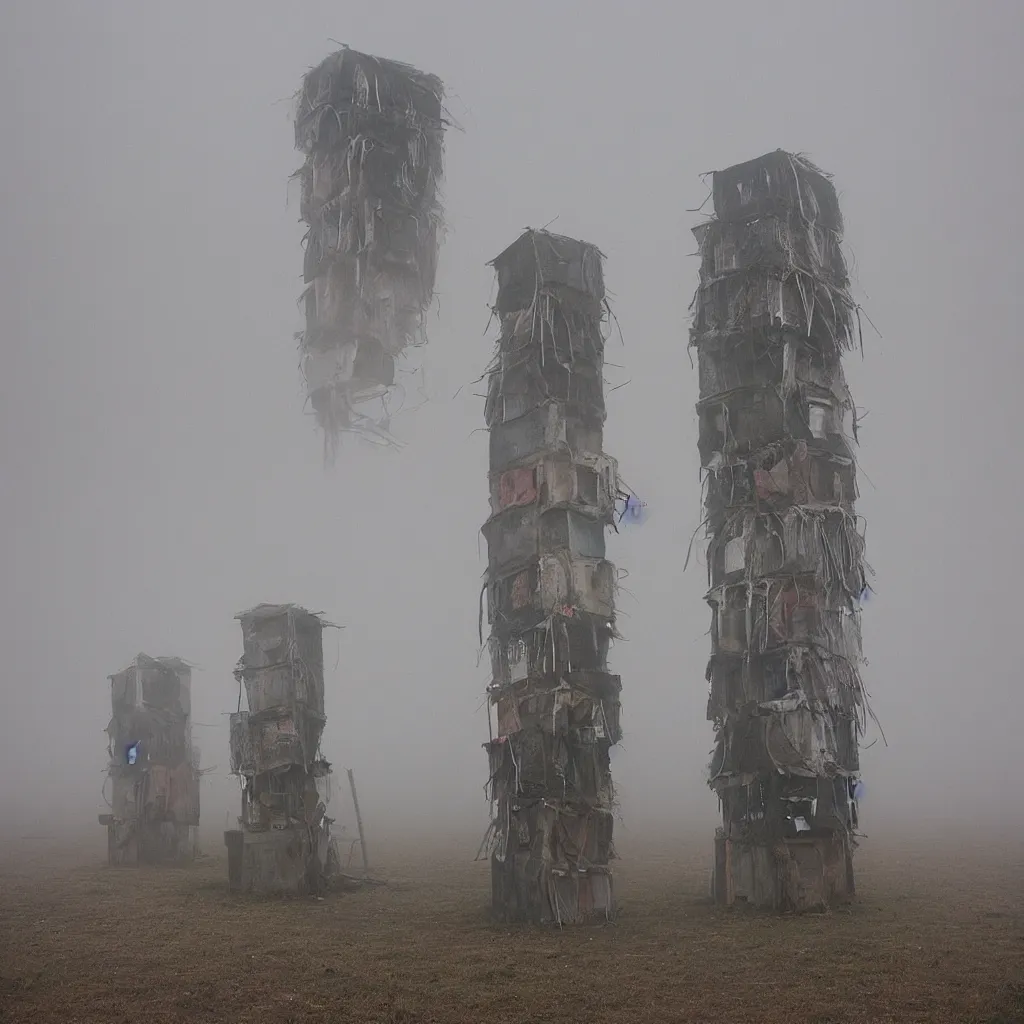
772 319
550 589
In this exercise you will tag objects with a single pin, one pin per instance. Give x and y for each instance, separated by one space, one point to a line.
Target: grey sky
158 473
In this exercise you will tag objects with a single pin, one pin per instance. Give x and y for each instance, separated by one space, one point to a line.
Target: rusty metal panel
122 843
124 690
276 686
275 862
285 834
520 534
554 584
520 439
550 590
274 739
773 317
153 769
539 258
242 752
777 184
183 794
126 794
517 487
583 481
266 636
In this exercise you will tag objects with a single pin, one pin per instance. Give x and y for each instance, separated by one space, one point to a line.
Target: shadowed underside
373 134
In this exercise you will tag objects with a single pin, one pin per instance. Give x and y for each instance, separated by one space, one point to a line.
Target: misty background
158 473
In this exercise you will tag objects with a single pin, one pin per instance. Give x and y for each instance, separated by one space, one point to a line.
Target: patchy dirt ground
937 935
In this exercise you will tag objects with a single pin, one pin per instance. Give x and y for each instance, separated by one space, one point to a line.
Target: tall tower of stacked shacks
153 772
550 590
773 317
372 131
284 842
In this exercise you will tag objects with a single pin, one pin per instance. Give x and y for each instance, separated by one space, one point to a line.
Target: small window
817 417
726 259
838 491
734 555
730 623
518 661
586 485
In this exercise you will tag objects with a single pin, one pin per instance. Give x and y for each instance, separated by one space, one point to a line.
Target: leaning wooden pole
773 317
550 590
359 823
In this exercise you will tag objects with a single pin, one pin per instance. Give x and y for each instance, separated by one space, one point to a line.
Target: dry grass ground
936 935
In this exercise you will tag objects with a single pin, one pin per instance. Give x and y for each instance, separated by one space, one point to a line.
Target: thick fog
159 473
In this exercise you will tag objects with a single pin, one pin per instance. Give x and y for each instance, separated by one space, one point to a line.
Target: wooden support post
359 823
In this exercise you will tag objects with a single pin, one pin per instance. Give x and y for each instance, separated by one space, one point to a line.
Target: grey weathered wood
359 823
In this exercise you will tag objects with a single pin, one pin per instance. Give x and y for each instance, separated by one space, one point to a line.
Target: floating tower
550 590
773 317
153 771
372 132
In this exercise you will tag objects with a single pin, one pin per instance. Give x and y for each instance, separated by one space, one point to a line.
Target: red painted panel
517 487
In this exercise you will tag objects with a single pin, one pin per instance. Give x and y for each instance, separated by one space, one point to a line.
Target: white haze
159 475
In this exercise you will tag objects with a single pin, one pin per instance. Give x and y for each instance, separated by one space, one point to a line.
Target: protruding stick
359 822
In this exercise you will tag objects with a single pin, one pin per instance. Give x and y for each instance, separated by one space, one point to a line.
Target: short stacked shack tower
773 317
372 131
284 843
153 771
550 590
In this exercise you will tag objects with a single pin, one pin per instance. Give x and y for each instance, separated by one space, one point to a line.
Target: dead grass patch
935 936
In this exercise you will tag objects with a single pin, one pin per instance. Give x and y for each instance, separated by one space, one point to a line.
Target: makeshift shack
554 706
152 785
772 319
283 843
372 132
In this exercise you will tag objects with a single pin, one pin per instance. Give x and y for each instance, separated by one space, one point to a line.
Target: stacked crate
153 767
773 317
550 590
372 132
284 842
